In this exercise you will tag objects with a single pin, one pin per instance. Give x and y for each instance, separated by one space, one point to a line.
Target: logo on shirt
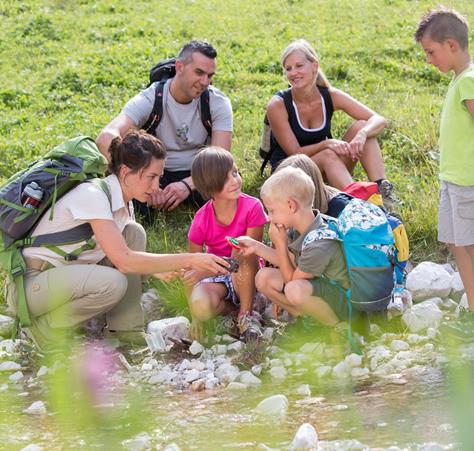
182 132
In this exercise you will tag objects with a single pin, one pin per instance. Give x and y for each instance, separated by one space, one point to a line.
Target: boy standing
306 257
443 34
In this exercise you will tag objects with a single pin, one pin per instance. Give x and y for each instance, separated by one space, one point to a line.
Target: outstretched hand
247 245
208 263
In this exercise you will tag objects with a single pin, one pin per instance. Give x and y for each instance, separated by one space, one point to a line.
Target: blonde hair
323 193
289 183
303 46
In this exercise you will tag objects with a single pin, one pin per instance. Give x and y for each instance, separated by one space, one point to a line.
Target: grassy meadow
68 66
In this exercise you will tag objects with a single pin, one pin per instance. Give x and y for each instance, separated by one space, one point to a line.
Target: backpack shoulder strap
157 112
206 112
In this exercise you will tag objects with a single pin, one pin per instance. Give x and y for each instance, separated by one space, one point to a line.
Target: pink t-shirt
205 230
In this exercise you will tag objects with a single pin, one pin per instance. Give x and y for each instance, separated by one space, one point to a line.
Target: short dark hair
135 150
210 169
441 23
191 47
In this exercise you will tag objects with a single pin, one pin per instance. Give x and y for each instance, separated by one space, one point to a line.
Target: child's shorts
332 295
456 214
226 279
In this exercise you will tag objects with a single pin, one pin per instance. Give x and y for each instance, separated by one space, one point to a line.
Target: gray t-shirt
317 254
180 129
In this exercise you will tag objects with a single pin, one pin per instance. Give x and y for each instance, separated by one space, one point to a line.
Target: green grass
69 66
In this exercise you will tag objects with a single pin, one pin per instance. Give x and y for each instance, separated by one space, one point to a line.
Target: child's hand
247 245
278 235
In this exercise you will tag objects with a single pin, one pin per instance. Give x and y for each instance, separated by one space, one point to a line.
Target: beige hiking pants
69 295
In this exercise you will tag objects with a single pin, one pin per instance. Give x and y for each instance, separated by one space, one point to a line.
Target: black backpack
161 73
268 143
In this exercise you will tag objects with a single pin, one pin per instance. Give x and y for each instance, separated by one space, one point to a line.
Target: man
180 128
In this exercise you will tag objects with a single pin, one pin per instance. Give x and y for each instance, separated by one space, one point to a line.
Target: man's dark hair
441 24
202 47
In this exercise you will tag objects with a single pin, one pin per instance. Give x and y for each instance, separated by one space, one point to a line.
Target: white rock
323 371
306 438
278 372
353 360
428 280
150 295
9 366
42 371
236 386
421 316
146 367
172 447
268 333
32 447
414 339
8 345
235 347
219 349
431 333
303 390
16 377
399 345
457 287
462 303
449 268
359 373
227 373
196 348
196 365
211 382
256 369
276 362
342 370
228 339
156 342
177 327
139 443
191 376
6 325
276 405
246 377
37 408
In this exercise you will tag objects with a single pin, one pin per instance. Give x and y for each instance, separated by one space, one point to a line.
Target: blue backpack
369 250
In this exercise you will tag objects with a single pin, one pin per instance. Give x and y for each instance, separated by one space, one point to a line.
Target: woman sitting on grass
106 279
306 126
228 213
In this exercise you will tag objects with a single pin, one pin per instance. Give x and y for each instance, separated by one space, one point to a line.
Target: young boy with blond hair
305 251
443 35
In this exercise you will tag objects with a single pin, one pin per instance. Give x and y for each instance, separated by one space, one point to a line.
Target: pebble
276 405
9 366
304 390
235 347
37 408
257 369
139 443
246 377
399 345
306 438
42 371
15 377
278 372
32 447
198 385
353 360
196 348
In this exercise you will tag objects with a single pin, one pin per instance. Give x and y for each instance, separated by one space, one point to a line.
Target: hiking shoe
250 326
461 329
227 325
390 200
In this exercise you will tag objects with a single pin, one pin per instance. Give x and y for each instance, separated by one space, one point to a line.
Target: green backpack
29 193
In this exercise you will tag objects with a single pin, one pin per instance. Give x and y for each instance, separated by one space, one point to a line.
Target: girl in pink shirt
228 213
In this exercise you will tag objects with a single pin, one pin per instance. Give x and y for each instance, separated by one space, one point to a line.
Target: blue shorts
226 279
